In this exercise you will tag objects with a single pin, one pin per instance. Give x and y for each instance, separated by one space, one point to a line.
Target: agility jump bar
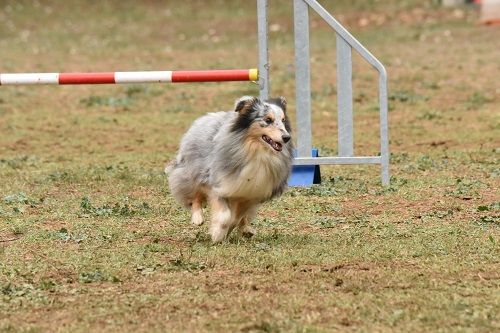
130 77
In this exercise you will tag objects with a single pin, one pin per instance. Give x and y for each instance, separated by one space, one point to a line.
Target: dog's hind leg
197 209
222 219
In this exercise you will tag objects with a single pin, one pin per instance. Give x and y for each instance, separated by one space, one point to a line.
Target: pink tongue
273 144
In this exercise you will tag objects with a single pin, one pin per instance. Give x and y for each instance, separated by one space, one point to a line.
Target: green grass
91 240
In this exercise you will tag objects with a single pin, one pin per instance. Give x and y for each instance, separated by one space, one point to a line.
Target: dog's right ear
245 103
279 101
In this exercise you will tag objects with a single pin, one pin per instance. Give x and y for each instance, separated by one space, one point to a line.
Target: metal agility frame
345 43
306 161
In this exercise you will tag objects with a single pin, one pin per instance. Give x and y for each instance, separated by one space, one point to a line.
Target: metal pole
302 78
263 49
344 98
384 128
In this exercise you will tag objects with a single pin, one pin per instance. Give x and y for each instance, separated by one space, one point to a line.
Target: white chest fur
255 181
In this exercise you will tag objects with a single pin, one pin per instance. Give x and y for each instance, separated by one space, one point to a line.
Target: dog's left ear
279 101
246 102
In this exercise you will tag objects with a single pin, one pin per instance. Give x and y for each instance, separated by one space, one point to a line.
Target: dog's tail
180 182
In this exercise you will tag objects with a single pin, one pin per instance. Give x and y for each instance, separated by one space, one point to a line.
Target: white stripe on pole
29 78
140 77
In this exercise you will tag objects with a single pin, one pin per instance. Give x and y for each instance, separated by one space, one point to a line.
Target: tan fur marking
270 116
241 207
197 209
198 201
255 130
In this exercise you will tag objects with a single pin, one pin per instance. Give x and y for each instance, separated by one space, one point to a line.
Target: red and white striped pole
130 77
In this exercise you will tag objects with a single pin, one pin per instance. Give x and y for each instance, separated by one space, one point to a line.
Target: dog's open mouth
276 145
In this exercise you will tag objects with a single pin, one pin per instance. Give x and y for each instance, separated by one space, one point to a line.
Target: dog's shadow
202 237
260 240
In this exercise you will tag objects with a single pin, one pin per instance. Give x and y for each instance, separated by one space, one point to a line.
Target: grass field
91 240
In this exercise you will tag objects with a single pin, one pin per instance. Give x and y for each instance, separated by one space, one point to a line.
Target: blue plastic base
305 175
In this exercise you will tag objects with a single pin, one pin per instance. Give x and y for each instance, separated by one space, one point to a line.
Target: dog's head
265 122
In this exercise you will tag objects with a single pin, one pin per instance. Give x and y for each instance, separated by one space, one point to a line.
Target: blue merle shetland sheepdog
235 161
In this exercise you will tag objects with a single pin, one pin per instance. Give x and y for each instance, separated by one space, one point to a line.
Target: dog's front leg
222 219
244 227
197 210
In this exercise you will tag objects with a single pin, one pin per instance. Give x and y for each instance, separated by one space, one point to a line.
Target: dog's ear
245 103
279 101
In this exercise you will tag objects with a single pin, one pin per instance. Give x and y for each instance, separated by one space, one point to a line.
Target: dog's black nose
286 138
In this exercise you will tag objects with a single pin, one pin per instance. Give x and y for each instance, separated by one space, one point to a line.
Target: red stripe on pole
86 78
212 75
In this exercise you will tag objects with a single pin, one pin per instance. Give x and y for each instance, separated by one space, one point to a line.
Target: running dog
235 161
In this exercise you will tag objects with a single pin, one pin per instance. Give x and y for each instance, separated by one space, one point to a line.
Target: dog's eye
269 120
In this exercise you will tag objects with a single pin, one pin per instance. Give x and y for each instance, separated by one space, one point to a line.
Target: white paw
218 234
197 218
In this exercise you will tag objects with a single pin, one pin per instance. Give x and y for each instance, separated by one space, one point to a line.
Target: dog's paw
197 218
247 231
218 233
218 236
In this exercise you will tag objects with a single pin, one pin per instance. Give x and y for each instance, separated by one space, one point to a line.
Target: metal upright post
344 98
263 49
302 78
384 128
